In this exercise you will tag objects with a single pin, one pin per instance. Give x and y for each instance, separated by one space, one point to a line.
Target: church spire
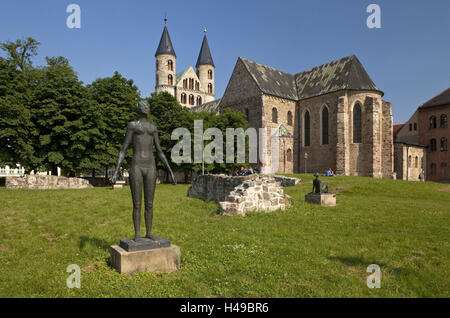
165 45
204 57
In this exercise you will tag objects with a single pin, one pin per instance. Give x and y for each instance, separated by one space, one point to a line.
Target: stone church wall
320 157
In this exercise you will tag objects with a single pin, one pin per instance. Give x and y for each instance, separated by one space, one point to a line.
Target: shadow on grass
354 261
102 244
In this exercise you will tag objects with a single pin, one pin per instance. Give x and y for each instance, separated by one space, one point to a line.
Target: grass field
304 251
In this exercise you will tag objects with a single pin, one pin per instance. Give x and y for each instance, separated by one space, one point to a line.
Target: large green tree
168 115
61 112
115 98
17 82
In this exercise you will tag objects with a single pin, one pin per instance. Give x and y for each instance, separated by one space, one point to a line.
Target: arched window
443 144
289 118
197 86
443 169
247 114
191 99
170 79
433 169
415 126
274 115
183 98
210 88
185 83
325 126
210 74
432 122
170 65
410 127
432 145
289 155
443 121
416 162
409 161
199 100
421 162
306 123
357 135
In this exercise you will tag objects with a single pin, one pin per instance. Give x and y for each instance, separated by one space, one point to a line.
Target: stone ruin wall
41 182
242 194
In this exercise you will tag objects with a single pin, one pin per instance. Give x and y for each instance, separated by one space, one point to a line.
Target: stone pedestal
118 185
324 199
164 259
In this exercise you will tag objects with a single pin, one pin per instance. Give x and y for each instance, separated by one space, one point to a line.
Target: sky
408 58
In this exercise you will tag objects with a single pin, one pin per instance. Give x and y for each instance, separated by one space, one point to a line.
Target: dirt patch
354 269
2 248
91 267
104 224
341 189
444 189
52 237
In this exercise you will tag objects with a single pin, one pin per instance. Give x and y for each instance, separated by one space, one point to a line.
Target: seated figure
318 187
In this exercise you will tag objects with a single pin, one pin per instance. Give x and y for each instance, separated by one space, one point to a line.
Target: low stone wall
287 181
239 195
46 182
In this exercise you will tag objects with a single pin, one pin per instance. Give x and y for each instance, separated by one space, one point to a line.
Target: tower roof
165 45
204 57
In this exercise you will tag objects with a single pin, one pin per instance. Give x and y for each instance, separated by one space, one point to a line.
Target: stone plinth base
324 199
166 259
118 185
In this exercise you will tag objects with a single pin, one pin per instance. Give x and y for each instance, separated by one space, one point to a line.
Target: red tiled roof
396 129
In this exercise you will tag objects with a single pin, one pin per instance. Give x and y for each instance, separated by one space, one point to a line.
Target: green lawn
304 251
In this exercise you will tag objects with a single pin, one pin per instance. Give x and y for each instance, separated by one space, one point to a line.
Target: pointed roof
270 80
204 57
345 73
165 45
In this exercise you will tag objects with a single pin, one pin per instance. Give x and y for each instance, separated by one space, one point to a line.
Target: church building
331 116
190 87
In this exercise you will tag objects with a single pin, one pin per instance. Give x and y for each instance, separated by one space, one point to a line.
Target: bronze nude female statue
143 172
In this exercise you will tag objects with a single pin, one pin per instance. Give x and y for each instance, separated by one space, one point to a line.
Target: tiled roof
396 129
165 44
345 73
271 80
204 57
212 106
440 99
179 76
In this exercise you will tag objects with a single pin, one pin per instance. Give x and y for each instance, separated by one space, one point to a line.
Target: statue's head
142 108
316 175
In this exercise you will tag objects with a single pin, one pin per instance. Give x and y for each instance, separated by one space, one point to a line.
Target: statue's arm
162 156
122 152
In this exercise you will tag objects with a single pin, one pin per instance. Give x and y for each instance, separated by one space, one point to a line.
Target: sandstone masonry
46 182
240 195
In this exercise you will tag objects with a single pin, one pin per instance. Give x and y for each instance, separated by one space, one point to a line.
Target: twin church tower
189 87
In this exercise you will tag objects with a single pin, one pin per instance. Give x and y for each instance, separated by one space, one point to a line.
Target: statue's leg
136 181
149 194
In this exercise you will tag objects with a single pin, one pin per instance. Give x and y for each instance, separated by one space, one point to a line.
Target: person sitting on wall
328 173
332 173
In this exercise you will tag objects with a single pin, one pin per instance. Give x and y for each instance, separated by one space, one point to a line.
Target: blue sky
408 58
